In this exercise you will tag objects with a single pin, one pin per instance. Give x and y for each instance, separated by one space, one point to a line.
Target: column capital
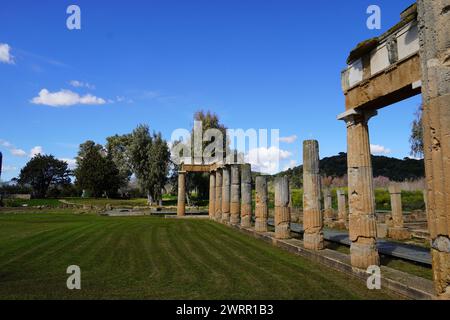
354 116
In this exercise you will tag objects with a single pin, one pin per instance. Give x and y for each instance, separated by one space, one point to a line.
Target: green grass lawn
155 258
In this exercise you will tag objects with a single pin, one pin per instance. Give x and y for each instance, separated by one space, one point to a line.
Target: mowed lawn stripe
156 258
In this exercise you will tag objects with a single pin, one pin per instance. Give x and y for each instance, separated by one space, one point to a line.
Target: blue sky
257 64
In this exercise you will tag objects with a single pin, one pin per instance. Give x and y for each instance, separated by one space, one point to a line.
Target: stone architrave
246 196
235 205
312 213
262 200
282 215
226 183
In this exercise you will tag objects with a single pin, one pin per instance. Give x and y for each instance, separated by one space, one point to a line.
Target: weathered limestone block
212 195
246 196
218 202
235 205
282 215
262 200
181 207
312 214
434 38
226 183
362 220
327 207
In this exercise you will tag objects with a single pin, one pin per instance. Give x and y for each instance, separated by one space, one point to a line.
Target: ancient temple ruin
411 58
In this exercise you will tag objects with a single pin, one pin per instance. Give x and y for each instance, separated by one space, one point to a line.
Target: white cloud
17 152
65 98
36 150
14 151
290 139
5 55
290 165
81 84
378 149
71 162
266 160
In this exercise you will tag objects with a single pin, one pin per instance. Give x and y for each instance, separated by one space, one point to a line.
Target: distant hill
392 168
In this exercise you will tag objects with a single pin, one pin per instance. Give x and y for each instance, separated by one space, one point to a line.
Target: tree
117 148
43 171
96 172
150 158
416 139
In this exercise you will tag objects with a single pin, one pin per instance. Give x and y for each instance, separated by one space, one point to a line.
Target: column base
246 222
313 241
261 225
364 253
225 218
441 267
283 231
234 219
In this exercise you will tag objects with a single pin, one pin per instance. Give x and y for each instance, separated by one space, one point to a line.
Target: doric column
218 202
397 232
212 195
312 214
262 200
235 205
362 220
434 36
342 208
181 208
246 195
328 211
282 215
226 194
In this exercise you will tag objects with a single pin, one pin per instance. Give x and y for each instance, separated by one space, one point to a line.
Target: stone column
397 232
362 220
282 216
235 205
434 37
328 211
226 195
246 196
212 195
312 214
181 208
262 200
342 209
218 202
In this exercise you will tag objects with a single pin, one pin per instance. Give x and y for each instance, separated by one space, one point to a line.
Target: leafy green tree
150 159
117 148
416 139
42 172
96 172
